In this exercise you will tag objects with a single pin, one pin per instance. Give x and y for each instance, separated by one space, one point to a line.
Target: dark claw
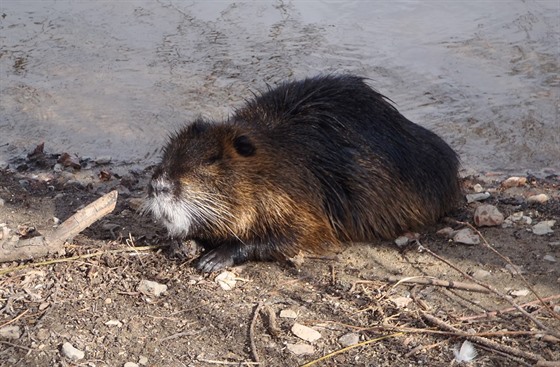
214 260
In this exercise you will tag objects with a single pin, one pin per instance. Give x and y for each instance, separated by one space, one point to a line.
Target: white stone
306 333
481 274
288 314
226 280
150 288
446 232
478 188
514 182
10 332
471 198
543 227
104 159
401 302
300 349
402 241
549 258
349 339
130 364
72 353
515 269
116 323
540 198
520 293
143 360
488 216
466 236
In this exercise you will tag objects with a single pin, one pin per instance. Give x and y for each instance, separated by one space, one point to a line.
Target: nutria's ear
244 146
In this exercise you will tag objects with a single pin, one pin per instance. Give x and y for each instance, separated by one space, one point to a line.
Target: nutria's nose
159 186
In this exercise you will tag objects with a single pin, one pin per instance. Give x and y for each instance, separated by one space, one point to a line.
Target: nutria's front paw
215 260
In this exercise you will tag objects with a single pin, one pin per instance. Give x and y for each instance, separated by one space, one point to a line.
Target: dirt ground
94 303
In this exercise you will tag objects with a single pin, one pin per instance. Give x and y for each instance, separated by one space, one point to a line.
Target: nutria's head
200 181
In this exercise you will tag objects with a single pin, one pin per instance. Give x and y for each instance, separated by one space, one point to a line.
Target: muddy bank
111 300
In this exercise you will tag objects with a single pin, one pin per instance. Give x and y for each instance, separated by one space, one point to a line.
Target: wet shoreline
114 79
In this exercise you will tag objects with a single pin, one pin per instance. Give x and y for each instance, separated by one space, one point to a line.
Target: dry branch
53 242
440 283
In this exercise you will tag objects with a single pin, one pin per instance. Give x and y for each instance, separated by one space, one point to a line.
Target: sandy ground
96 303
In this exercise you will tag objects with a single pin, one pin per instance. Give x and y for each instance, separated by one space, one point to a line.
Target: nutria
306 166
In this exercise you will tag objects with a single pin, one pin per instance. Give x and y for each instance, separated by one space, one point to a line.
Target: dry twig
436 282
54 242
252 333
488 315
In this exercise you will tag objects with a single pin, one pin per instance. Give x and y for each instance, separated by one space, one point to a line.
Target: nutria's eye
244 146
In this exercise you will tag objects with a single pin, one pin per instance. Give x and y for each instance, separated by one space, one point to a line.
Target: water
114 77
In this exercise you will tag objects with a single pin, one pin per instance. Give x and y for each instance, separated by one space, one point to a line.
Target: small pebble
116 323
226 280
2 202
349 339
488 216
143 360
446 232
515 269
150 288
300 349
514 182
402 241
467 237
520 293
471 198
104 159
288 314
519 217
478 188
540 198
10 332
481 274
554 244
549 258
72 353
130 364
306 333
401 302
543 227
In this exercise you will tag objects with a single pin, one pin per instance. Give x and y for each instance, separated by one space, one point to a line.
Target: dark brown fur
304 167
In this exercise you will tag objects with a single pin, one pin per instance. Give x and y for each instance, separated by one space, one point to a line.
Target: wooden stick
254 350
436 282
53 242
488 315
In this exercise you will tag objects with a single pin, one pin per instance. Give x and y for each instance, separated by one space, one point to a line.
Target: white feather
467 352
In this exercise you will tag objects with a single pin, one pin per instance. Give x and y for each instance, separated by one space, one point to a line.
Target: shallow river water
114 77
